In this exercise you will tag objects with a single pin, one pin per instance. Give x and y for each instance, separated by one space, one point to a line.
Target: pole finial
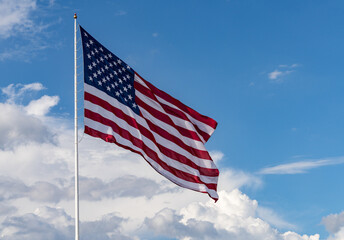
75 17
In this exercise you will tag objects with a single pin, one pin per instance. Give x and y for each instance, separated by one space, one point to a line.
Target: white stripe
115 103
203 126
169 161
177 121
191 185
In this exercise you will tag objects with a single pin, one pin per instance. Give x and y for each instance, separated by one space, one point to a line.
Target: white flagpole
76 136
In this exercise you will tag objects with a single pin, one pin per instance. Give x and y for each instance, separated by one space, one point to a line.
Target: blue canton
105 71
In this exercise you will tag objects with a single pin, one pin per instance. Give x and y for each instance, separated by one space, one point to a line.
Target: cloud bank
121 196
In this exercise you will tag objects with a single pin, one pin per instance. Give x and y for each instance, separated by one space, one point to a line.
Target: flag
123 108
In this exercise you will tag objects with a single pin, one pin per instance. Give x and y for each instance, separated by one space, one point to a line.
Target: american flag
123 108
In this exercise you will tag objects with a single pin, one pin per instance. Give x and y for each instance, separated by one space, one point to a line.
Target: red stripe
150 153
166 151
164 118
204 119
163 133
111 139
170 110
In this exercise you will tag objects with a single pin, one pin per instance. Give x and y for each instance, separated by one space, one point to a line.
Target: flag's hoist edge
123 108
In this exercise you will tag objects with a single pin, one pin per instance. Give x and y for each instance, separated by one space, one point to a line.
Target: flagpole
76 136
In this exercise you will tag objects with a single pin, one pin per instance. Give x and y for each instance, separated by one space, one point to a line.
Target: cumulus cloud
301 166
234 216
53 223
121 196
17 127
41 107
334 223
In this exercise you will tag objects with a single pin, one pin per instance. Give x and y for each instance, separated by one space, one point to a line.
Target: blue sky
270 72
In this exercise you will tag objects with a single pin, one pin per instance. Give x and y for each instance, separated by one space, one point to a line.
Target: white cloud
277 75
122 197
234 216
14 92
41 107
301 166
22 29
216 156
16 16
230 179
334 224
273 218
17 127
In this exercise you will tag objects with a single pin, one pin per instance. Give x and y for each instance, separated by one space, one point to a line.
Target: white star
102 69
119 61
110 64
106 67
91 42
128 76
107 77
125 89
117 93
98 61
94 64
115 73
119 70
125 99
90 67
85 34
129 86
99 72
95 75
128 67
92 53
106 57
99 83
87 45
116 84
101 49
90 77
134 105
123 69
102 59
108 88
89 55
112 85
114 63
124 78
96 50
111 76
130 97
120 91
110 55
104 80
120 81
